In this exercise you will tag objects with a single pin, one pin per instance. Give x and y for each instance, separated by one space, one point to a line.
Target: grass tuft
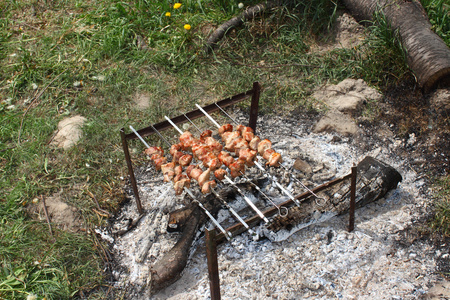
441 221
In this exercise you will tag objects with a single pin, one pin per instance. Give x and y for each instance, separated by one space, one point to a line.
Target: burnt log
168 269
427 54
374 180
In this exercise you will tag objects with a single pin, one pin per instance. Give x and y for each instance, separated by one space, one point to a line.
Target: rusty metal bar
351 218
195 114
130 170
254 106
213 265
253 221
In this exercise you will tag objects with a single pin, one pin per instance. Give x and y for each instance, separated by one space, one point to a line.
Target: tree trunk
427 54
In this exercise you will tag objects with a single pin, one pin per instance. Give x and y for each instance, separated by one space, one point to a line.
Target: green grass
441 221
113 50
439 15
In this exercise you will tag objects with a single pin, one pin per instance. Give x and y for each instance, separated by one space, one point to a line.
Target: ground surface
391 254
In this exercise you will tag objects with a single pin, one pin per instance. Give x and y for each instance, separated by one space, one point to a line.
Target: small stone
302 166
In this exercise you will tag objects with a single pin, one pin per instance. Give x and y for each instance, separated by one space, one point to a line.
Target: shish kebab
249 180
221 176
263 147
283 166
218 196
158 159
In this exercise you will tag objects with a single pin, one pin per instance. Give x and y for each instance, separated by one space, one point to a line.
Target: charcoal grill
214 237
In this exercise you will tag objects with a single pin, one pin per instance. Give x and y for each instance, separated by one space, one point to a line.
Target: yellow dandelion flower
187 27
168 14
177 5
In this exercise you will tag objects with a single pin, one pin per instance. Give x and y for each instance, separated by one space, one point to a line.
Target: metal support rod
130 171
254 106
254 220
193 114
213 265
351 218
227 234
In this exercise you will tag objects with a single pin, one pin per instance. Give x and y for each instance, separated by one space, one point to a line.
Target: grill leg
213 266
130 171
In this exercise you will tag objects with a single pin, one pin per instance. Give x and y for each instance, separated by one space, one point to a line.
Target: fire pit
328 180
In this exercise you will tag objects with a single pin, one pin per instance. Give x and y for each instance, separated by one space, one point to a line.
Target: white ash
318 262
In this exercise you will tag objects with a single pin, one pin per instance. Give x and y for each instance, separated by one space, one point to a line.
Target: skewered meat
200 150
248 155
174 148
215 145
230 144
248 135
178 170
168 171
225 158
238 144
205 134
185 160
263 145
237 168
187 139
253 144
189 169
195 173
267 153
176 156
204 177
207 186
159 161
229 136
154 150
240 127
211 161
220 174
274 160
182 182
246 132
225 128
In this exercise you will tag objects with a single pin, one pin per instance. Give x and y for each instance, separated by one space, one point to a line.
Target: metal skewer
283 166
221 109
286 192
267 197
249 202
227 234
235 214
322 200
249 181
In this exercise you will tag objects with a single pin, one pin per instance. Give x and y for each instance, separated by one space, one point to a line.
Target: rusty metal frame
254 93
253 221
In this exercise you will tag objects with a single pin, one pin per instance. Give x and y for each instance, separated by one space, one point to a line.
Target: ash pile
278 259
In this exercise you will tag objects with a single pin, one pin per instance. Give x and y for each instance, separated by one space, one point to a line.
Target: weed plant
94 58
